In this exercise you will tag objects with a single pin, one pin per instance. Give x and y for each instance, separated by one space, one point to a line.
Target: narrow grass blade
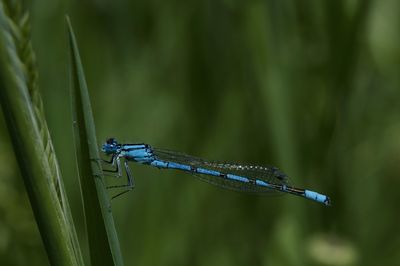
103 242
23 111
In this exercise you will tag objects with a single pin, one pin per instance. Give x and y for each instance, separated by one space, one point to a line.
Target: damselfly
238 177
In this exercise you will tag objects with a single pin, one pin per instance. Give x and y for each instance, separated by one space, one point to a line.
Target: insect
237 177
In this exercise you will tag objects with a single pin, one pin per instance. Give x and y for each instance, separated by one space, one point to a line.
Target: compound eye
110 141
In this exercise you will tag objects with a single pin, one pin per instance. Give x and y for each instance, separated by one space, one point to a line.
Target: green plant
24 114
23 110
103 240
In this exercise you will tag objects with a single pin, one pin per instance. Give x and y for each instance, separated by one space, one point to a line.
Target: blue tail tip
327 201
312 195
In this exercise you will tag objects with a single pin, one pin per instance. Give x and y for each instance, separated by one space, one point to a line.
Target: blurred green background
312 87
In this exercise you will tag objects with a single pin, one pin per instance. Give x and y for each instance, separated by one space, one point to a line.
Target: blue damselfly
238 177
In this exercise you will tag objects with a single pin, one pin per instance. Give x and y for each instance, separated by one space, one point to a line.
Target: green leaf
24 114
103 241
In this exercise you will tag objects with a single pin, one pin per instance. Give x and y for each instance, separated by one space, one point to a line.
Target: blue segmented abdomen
242 179
197 170
204 172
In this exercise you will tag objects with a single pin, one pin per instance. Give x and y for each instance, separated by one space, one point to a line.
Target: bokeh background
312 87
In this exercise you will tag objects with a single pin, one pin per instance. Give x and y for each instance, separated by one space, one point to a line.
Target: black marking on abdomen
193 169
252 181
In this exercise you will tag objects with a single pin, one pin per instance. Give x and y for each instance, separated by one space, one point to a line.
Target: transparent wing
271 175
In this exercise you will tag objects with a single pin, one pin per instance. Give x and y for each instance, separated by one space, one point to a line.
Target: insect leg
129 186
117 163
